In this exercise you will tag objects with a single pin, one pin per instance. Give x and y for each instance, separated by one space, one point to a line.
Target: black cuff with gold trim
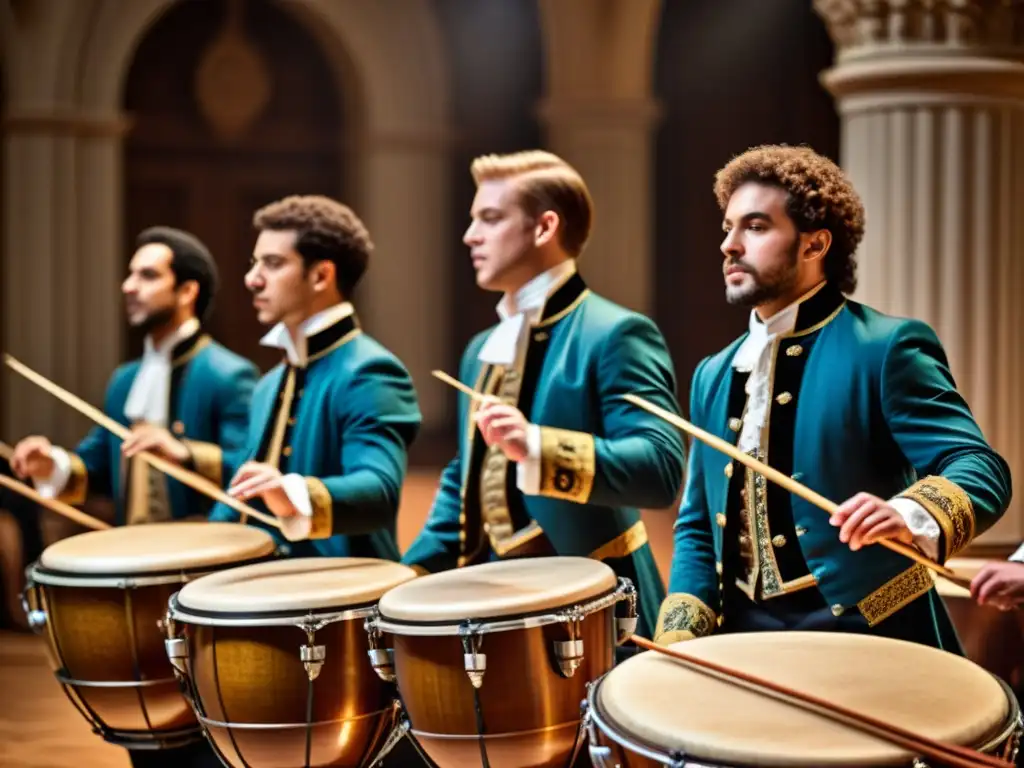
323 509
683 617
567 464
77 487
207 459
951 507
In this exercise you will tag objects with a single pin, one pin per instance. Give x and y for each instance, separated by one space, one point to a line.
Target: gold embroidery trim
951 507
896 593
494 510
284 410
203 342
207 459
515 540
77 487
568 464
624 544
323 508
485 381
336 345
684 613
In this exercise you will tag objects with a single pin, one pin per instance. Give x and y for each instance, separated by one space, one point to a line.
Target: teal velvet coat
352 413
603 458
870 405
211 388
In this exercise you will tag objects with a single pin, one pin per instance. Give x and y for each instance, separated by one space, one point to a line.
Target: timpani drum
495 658
653 710
99 598
274 657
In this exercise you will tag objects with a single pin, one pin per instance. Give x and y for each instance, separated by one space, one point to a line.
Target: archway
212 142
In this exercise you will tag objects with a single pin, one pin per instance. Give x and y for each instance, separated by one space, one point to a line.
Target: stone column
931 98
608 140
62 250
405 298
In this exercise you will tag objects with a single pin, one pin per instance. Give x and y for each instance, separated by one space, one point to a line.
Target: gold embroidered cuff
207 458
567 464
624 544
323 509
896 593
951 507
675 636
684 613
77 487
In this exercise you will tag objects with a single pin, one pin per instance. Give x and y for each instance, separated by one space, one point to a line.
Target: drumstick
473 394
6 452
191 479
786 482
53 504
941 752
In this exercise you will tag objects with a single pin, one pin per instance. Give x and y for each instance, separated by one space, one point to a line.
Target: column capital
640 113
887 29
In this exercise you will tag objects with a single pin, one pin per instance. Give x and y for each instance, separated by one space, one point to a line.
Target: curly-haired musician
857 405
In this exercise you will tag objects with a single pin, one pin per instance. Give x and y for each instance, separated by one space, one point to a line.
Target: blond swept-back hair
545 182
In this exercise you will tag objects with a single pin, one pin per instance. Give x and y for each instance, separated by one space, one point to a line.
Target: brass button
735 424
718 568
794 351
287 451
291 422
744 539
837 610
779 540
728 469
541 336
720 519
783 398
178 428
720 620
800 530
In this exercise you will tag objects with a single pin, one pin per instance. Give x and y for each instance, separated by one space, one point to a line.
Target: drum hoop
318 617
486 626
53 578
288 726
623 737
65 680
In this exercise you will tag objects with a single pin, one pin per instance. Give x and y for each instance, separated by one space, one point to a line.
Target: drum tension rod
475 661
569 653
312 655
381 659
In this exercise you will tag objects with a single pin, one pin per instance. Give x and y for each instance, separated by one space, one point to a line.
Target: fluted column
931 98
405 297
63 261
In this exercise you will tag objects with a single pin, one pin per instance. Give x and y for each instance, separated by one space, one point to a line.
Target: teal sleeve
637 459
436 547
963 483
377 418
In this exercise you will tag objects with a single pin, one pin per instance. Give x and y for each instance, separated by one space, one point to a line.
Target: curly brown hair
325 230
819 197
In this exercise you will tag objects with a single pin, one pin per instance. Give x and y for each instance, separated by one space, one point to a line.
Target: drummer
186 399
332 423
556 463
859 406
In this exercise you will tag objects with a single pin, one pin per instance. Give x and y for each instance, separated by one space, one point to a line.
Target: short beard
768 286
156 319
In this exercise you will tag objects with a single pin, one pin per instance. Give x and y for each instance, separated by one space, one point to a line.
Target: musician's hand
1000 585
31 458
504 426
156 440
258 479
865 519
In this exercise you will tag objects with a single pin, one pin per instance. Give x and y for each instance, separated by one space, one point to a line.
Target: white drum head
157 548
296 584
499 589
660 701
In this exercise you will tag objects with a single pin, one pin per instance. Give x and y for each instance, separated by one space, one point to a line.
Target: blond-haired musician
562 464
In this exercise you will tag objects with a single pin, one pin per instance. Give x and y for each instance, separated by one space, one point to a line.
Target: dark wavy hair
190 260
819 196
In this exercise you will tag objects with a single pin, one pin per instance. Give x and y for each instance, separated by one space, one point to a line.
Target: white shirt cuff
297 527
54 485
924 527
1018 556
528 470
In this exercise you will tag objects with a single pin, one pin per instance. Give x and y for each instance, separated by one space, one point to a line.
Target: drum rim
52 577
509 623
296 617
622 736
